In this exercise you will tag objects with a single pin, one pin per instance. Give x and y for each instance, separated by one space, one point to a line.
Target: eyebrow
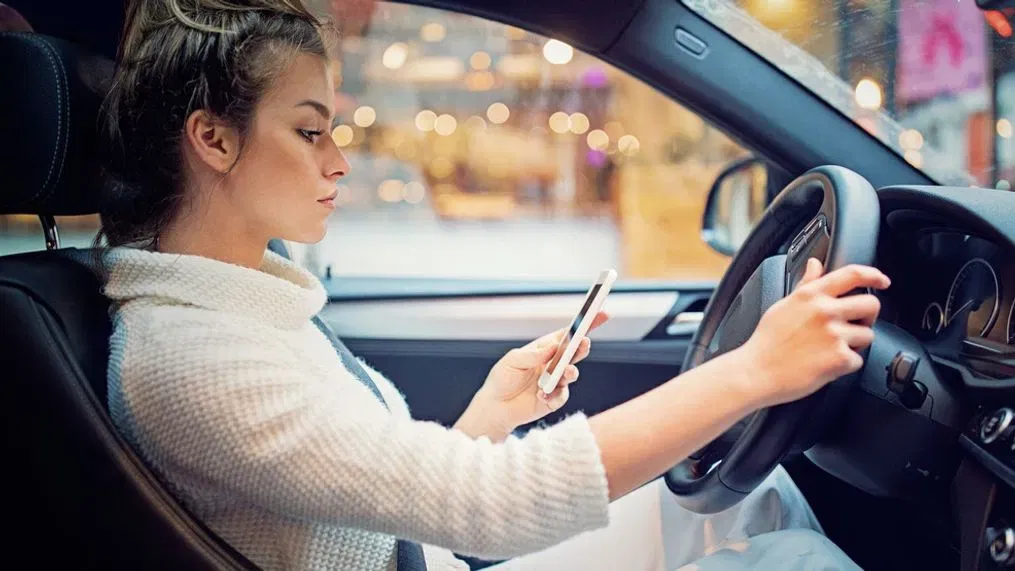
317 106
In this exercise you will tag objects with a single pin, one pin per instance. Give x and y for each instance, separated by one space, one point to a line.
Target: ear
211 141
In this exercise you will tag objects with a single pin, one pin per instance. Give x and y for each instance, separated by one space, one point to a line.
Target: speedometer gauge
975 290
933 318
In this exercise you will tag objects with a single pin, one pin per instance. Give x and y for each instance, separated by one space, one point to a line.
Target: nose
336 166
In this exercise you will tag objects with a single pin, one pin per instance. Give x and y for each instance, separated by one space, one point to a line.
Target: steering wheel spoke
765 287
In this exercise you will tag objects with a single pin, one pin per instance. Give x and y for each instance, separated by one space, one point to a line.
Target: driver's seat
75 485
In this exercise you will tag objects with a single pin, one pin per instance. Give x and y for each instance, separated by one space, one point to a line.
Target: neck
208 229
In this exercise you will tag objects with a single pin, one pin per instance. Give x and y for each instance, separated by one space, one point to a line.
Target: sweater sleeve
217 404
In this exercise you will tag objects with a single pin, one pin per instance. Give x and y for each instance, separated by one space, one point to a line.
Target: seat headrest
49 100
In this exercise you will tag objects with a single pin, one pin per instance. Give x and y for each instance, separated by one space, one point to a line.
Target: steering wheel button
691 43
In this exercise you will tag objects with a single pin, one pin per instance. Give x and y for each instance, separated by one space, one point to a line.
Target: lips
329 201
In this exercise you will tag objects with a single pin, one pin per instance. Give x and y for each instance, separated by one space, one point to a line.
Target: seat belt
409 554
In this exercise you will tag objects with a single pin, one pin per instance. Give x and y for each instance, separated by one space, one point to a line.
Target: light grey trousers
772 528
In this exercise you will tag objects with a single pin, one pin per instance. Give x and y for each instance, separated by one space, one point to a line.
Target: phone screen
585 309
573 330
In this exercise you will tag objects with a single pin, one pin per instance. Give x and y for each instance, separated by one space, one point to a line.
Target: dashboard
930 419
947 328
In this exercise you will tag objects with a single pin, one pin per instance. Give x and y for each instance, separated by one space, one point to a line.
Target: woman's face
284 183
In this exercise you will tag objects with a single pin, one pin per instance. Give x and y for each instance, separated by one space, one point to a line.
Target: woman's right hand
812 336
803 342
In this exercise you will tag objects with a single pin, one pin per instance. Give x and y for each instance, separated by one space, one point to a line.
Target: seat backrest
76 484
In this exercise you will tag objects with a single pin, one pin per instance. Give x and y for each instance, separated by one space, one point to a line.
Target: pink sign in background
942 48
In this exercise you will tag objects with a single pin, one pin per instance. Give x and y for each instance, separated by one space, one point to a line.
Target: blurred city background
482 150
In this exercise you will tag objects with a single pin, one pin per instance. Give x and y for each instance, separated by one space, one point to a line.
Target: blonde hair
177 57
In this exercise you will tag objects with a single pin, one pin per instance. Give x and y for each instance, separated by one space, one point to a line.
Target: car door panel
633 316
439 377
438 349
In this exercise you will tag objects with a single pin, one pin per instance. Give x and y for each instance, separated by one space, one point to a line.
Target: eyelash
309 135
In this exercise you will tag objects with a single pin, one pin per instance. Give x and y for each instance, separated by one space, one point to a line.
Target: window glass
932 79
479 150
23 233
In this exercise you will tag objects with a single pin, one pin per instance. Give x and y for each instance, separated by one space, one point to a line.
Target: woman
218 123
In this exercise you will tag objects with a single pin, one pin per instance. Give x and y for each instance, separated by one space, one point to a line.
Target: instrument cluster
950 280
975 292
961 279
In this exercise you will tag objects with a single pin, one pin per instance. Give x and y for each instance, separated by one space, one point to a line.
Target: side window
481 150
23 233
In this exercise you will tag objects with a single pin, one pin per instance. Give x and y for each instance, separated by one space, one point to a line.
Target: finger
601 318
849 278
856 336
854 362
570 375
555 337
558 398
583 350
552 338
862 309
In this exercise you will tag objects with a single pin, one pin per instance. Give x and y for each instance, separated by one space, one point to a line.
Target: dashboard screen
585 309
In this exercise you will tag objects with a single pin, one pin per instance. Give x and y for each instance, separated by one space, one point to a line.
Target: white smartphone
579 329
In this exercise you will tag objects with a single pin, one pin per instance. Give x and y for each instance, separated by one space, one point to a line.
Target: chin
308 236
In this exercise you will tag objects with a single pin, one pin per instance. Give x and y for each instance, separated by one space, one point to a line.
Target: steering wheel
839 214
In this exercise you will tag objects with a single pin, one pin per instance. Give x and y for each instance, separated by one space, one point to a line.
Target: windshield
932 79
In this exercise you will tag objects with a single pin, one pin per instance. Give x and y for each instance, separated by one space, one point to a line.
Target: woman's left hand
511 397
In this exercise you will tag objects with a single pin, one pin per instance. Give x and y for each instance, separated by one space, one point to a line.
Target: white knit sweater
218 378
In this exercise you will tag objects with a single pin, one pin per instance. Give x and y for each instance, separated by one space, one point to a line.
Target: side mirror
736 201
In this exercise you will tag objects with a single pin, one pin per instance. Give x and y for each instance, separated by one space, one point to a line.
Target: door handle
685 323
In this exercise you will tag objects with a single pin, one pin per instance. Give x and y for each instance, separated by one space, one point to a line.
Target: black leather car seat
75 486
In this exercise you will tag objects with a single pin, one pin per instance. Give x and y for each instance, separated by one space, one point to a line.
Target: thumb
813 271
529 357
